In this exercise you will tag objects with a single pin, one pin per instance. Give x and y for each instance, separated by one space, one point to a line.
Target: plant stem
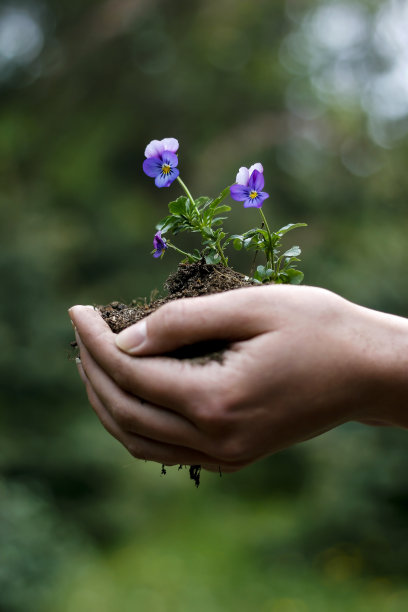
190 197
221 253
269 256
172 246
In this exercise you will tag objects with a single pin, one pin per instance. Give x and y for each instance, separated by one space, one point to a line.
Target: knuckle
170 313
214 405
210 413
122 416
123 377
233 451
135 450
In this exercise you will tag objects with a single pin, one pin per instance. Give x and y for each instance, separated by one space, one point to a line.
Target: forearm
384 359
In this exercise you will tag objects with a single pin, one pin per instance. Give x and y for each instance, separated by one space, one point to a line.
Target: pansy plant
202 215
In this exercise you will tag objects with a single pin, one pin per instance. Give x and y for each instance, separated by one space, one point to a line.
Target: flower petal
152 166
258 166
158 240
239 192
165 180
256 181
154 149
170 158
256 202
242 177
170 144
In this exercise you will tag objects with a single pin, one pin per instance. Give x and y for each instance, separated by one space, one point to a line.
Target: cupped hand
299 361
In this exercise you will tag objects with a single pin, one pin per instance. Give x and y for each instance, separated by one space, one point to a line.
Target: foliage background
318 92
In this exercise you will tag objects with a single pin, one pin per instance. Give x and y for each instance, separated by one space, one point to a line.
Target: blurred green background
318 92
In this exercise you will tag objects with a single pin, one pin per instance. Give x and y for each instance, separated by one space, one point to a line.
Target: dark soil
190 280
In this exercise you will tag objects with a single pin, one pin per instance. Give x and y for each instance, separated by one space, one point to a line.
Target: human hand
300 361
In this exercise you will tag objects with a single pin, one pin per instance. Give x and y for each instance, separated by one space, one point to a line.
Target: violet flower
248 187
159 244
161 161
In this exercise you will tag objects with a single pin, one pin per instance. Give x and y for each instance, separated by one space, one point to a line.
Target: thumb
232 315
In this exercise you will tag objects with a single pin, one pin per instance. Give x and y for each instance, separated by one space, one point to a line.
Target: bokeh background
317 91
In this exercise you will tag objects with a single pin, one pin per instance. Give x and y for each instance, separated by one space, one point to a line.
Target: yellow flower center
166 169
253 195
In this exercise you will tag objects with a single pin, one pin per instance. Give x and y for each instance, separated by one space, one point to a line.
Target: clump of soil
190 280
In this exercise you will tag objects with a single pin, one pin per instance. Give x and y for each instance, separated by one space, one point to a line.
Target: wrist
384 360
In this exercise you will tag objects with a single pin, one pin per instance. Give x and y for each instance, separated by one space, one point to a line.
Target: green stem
221 253
190 197
172 246
269 257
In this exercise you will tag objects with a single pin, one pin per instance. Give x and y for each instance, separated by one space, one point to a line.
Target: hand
300 361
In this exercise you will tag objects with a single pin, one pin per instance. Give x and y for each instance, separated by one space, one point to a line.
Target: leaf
292 252
220 198
208 232
164 223
251 232
221 209
202 201
212 258
178 207
237 244
289 227
295 276
218 220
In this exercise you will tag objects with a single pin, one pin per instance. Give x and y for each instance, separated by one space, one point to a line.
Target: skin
300 361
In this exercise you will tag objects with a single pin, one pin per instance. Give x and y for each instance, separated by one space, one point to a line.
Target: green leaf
222 209
293 252
289 227
252 232
208 232
220 198
165 223
295 276
237 244
212 258
218 220
179 206
202 201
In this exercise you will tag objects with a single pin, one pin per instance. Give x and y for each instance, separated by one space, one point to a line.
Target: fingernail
131 339
80 306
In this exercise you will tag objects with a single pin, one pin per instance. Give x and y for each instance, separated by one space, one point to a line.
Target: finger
139 446
232 315
137 416
167 382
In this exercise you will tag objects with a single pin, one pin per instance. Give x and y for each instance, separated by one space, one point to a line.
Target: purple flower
161 162
248 187
159 244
